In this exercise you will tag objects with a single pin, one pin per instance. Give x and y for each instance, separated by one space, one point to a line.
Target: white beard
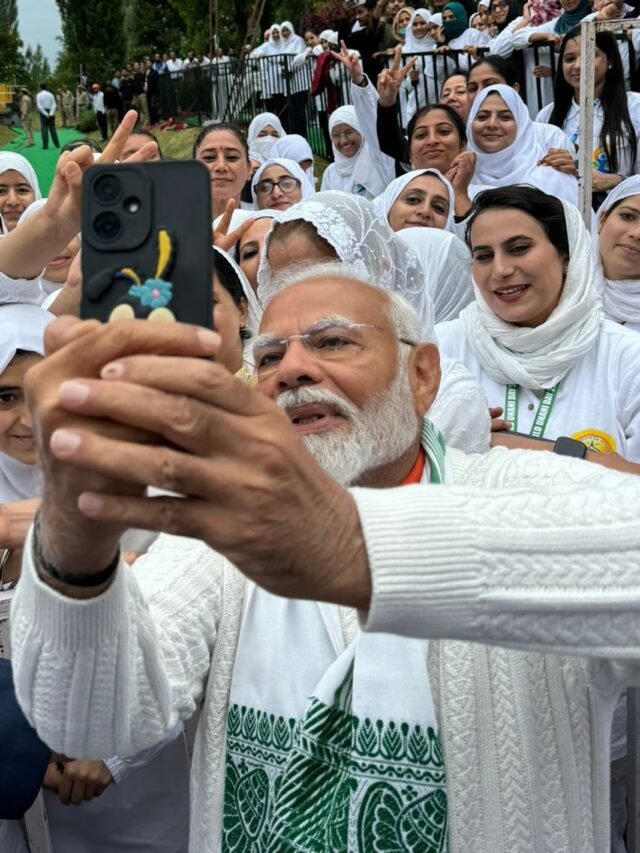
380 432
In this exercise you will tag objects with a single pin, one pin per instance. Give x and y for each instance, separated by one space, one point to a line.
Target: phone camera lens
107 189
107 226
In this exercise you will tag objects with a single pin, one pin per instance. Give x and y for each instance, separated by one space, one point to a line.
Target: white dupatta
620 299
538 358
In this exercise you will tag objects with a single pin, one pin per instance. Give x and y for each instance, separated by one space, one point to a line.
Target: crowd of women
471 217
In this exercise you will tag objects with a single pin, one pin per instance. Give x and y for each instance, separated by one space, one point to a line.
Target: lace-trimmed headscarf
385 202
363 241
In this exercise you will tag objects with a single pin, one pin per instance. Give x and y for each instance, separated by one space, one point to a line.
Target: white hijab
295 147
17 163
362 241
295 43
412 44
538 358
446 262
306 187
385 202
620 299
263 144
273 48
361 170
21 328
518 163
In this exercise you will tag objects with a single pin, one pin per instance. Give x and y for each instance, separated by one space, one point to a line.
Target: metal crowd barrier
239 89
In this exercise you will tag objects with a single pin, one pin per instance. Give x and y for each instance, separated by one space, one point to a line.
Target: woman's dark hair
461 72
545 209
223 125
77 143
228 277
142 131
503 67
616 124
513 13
453 115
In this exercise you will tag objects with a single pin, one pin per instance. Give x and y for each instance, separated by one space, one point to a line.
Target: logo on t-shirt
597 440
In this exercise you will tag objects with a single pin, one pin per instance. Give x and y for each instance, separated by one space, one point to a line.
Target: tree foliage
37 68
152 27
11 59
93 36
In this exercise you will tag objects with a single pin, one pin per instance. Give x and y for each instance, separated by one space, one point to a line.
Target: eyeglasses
346 134
285 185
499 5
328 340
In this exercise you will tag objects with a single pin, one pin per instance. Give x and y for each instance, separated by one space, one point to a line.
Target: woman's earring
245 334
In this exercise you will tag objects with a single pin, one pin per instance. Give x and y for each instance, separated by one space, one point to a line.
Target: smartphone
147 242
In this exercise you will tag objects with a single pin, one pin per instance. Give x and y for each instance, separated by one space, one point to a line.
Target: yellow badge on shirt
597 440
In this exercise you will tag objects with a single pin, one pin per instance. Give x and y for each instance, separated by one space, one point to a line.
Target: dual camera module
108 191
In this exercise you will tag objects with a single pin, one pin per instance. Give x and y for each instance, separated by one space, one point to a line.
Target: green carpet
44 162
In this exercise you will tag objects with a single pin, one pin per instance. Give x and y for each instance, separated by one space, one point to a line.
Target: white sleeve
113 675
537 552
21 290
121 767
365 103
460 409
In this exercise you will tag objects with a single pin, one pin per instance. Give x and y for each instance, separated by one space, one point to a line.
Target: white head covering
254 313
412 44
18 163
620 299
518 162
540 357
385 202
295 147
331 36
272 47
446 262
436 18
262 145
362 241
360 170
21 328
295 43
306 187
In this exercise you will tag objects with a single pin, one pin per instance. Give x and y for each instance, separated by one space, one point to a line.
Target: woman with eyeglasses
359 167
278 184
333 226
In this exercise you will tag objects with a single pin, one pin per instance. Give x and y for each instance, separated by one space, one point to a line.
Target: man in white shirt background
97 101
47 109
173 63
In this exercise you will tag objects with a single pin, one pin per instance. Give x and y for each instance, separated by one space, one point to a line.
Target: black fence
288 86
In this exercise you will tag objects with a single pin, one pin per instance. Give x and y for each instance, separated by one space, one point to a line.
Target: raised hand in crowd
350 62
390 79
221 236
561 160
460 174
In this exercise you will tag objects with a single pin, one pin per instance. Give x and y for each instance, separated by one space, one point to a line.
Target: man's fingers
408 67
66 329
397 56
77 792
148 150
64 789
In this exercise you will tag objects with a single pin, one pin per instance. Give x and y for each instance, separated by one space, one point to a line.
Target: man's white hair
403 317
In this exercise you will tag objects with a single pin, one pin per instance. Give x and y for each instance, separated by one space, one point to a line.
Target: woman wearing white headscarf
502 136
278 198
359 167
146 804
337 226
446 263
264 130
18 188
272 66
616 254
296 80
536 337
421 198
295 147
420 85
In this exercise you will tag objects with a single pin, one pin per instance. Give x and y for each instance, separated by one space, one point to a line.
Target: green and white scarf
332 746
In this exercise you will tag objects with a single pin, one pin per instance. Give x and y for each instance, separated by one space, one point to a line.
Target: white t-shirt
46 103
598 401
571 127
174 65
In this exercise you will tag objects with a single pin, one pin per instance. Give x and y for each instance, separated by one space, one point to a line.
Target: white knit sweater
537 555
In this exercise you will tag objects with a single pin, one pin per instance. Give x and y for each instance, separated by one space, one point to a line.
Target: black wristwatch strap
96 579
570 447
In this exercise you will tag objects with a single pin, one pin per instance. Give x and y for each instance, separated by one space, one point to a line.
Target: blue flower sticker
153 293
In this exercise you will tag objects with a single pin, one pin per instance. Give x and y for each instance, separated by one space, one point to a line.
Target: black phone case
157 263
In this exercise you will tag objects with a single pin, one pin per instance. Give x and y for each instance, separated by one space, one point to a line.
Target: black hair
616 124
142 131
545 209
503 67
77 143
461 72
223 125
453 115
512 14
228 277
